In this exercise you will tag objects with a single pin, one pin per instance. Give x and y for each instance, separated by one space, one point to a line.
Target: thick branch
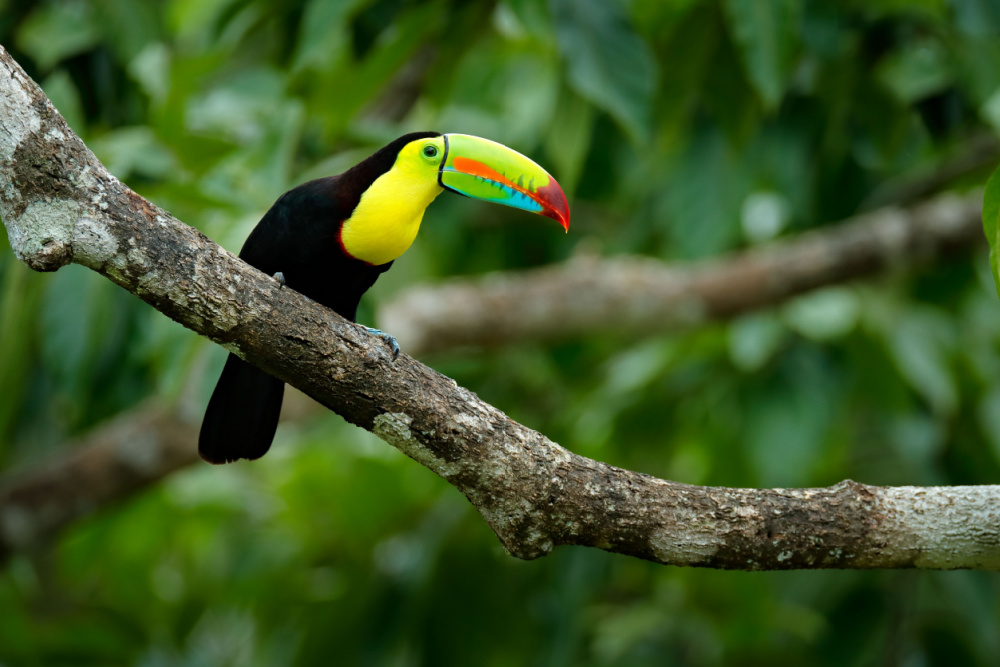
642 296
60 205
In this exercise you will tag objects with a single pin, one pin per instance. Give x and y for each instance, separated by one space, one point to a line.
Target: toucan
331 239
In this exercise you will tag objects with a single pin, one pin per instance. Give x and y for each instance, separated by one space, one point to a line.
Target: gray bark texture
60 205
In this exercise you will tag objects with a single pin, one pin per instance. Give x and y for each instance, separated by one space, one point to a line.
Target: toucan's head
397 183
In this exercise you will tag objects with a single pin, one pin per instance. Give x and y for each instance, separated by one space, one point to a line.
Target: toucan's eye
430 151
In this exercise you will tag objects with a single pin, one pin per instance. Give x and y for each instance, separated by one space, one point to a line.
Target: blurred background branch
115 460
638 297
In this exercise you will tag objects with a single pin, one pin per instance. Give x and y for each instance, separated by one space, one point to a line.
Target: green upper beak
483 169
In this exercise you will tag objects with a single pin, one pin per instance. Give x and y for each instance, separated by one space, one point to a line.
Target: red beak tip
559 216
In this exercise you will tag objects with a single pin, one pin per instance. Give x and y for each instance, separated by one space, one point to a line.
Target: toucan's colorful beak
483 169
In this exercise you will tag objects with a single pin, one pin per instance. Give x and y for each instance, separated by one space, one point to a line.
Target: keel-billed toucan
331 238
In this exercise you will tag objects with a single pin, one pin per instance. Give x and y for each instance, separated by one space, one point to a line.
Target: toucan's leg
390 340
280 277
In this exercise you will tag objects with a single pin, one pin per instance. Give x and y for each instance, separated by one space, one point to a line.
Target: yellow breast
388 216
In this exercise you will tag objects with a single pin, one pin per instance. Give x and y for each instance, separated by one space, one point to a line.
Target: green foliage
608 63
991 214
680 130
767 33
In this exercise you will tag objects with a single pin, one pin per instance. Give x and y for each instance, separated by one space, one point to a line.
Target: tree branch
114 460
642 296
978 153
59 205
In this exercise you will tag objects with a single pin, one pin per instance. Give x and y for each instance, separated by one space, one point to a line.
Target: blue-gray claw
391 340
280 277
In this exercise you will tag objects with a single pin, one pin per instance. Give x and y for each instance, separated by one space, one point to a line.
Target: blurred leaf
763 216
754 339
766 32
238 109
693 41
634 368
195 21
479 87
918 438
253 177
916 72
884 126
19 301
729 95
66 98
787 426
784 156
568 142
823 315
972 18
991 213
352 86
989 418
59 29
990 110
921 345
85 324
607 62
823 28
702 204
130 25
976 61
531 15
151 69
530 98
133 151
324 40
71 313
619 633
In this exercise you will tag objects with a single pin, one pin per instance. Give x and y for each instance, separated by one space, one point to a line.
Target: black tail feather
242 414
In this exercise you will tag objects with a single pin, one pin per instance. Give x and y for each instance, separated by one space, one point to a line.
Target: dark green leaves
59 30
766 32
609 64
991 210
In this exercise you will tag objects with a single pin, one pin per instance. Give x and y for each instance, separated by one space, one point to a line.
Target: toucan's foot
390 340
280 277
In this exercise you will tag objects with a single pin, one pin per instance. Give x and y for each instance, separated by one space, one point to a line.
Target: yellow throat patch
388 216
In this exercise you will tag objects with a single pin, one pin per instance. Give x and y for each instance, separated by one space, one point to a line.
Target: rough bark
60 205
641 296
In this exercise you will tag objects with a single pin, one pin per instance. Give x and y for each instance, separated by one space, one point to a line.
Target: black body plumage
300 237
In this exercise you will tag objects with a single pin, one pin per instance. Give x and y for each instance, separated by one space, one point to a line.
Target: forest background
680 131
